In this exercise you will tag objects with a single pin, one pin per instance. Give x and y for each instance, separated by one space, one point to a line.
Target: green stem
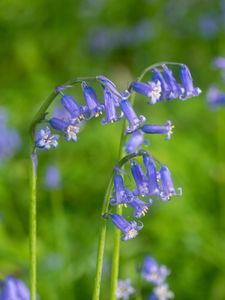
101 243
33 227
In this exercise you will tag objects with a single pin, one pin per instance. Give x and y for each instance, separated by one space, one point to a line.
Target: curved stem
33 227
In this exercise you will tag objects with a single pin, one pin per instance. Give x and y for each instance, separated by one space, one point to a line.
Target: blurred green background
45 43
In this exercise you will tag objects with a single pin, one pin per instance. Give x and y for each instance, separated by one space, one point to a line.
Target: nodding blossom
110 107
75 110
159 129
68 127
167 187
140 208
14 289
94 108
140 179
135 141
128 229
44 139
151 172
187 84
176 90
154 273
124 289
121 194
151 89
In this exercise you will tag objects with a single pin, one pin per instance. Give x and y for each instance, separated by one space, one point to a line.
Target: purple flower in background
52 177
14 289
219 62
161 129
135 141
124 289
187 84
215 97
167 187
161 292
129 229
44 139
68 127
10 141
129 113
154 273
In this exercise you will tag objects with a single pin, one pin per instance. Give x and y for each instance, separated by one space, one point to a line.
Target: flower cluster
149 183
9 138
156 275
13 289
116 105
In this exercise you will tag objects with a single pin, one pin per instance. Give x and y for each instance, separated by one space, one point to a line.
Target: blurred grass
45 43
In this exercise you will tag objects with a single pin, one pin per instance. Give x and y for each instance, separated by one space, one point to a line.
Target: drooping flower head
14 289
128 229
124 289
75 110
154 273
187 84
44 139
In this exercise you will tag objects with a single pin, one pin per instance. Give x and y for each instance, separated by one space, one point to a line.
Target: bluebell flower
70 104
110 108
44 139
140 207
152 272
162 129
129 229
215 97
14 289
124 289
161 292
135 141
110 86
70 130
121 195
167 187
152 176
176 91
52 177
140 179
187 84
151 89
94 108
129 113
165 87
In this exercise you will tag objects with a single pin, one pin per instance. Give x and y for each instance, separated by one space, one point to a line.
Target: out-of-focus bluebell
103 40
154 273
215 97
219 62
161 292
14 289
124 289
52 177
209 25
10 141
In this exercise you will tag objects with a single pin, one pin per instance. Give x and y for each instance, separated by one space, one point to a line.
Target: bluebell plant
13 288
150 178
